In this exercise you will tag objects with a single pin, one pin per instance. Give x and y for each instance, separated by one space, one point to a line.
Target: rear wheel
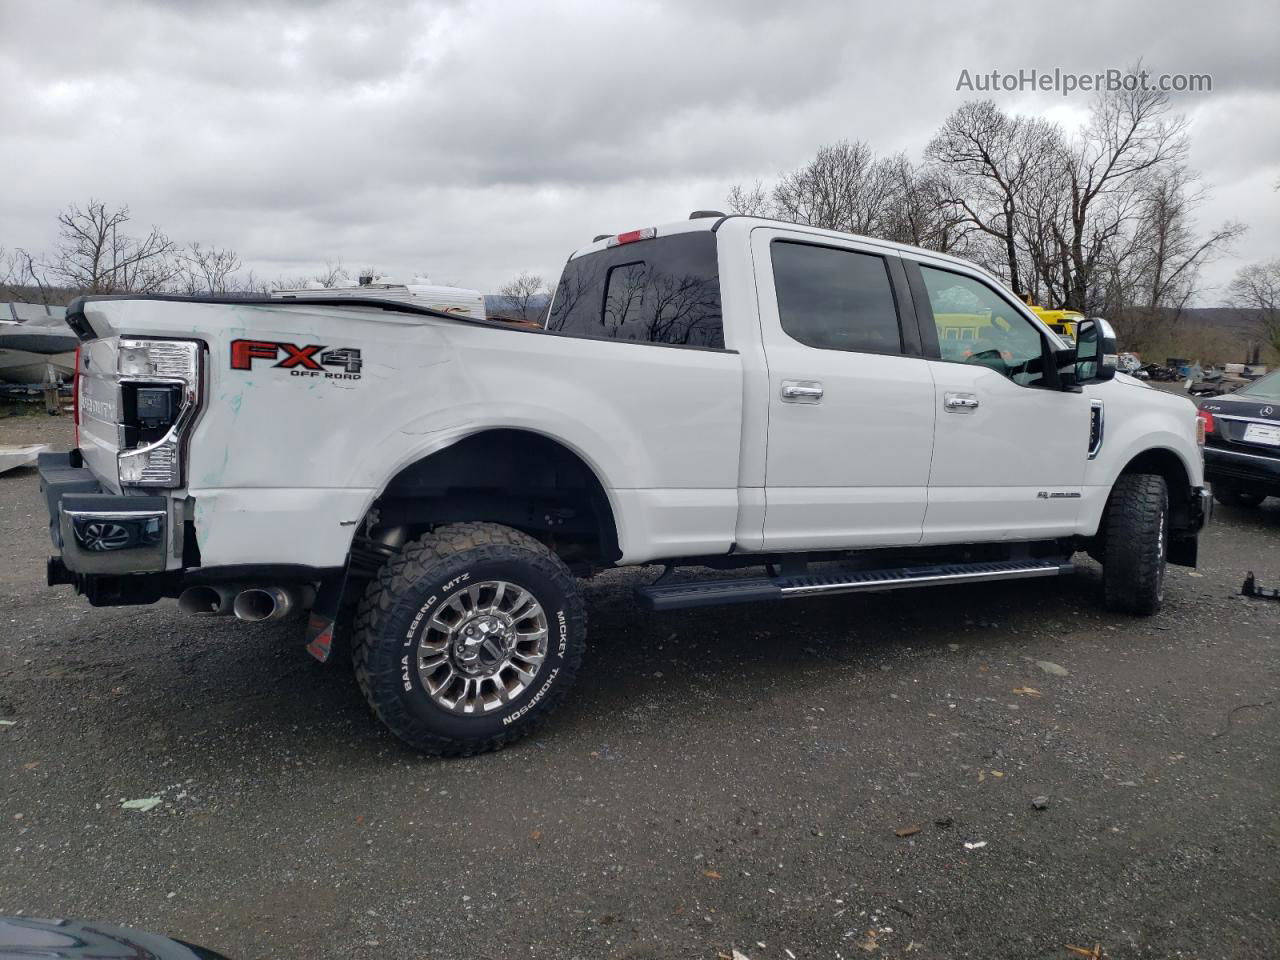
1135 541
1232 496
469 638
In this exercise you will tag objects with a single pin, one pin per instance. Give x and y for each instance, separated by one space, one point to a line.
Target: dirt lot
721 778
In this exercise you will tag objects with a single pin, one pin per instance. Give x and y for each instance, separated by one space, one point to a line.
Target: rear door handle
801 391
960 402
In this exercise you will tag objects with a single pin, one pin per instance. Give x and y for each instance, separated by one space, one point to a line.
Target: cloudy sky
470 141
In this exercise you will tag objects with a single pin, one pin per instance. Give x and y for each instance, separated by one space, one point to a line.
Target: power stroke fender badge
309 360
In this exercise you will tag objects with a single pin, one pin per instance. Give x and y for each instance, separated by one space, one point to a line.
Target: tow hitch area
1252 590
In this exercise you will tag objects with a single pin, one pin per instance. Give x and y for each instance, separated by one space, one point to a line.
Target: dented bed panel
306 397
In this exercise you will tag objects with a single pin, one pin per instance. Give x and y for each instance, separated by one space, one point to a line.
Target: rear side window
665 290
835 299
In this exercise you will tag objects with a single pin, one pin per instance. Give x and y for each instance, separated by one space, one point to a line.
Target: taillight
631 236
159 396
1204 425
75 397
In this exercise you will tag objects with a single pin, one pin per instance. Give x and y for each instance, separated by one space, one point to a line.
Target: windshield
1268 388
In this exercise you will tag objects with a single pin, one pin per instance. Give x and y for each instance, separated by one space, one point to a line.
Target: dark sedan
1242 442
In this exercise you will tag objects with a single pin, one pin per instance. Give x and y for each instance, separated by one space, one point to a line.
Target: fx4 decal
304 361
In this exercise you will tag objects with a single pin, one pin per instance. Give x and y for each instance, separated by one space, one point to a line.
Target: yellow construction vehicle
1061 322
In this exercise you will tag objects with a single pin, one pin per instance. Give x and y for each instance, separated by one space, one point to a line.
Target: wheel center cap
481 644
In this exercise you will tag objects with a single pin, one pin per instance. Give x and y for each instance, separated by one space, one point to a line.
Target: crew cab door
1010 448
851 405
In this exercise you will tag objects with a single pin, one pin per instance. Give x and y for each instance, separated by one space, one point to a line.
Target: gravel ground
720 779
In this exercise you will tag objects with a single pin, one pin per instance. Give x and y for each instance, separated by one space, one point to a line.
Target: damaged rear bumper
101 532
113 549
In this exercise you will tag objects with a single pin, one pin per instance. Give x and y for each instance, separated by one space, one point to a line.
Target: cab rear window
665 290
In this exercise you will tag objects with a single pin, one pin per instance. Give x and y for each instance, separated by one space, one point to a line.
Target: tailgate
98 409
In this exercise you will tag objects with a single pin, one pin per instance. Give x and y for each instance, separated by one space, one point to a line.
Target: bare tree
1166 234
253 285
922 212
94 254
22 278
1129 137
12 286
1256 289
843 188
208 270
846 188
991 156
333 274
752 201
522 291
1042 204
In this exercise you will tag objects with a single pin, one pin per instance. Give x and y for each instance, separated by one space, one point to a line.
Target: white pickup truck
724 393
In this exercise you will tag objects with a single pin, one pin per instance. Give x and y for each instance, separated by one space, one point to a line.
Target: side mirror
1096 357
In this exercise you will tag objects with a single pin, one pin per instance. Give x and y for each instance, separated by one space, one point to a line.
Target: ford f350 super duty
839 413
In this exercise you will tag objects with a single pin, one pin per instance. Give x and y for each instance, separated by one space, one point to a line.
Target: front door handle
801 391
960 402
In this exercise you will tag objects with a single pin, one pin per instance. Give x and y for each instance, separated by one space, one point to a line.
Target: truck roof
747 223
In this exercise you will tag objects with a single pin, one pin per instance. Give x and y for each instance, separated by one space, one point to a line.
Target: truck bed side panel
659 425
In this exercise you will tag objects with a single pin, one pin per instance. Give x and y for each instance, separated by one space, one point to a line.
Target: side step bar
707 593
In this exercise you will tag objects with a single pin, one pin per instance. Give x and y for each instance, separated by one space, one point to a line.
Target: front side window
664 290
835 299
977 325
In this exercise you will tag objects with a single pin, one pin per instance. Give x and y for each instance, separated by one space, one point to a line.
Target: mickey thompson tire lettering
400 602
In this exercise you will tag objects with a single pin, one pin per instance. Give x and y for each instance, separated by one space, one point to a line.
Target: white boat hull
22 366
18 456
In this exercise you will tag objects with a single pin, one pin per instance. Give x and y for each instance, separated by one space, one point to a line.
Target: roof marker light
648 233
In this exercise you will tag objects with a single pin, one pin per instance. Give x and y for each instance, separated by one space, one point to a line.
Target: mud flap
324 616
1183 553
1188 520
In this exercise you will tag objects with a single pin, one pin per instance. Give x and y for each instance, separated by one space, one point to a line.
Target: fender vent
1095 428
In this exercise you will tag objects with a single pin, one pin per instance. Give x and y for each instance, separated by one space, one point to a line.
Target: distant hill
1231 319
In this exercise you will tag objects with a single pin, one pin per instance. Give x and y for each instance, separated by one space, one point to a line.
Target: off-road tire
412 585
1232 496
1135 544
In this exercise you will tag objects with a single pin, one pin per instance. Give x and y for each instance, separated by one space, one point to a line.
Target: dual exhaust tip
251 604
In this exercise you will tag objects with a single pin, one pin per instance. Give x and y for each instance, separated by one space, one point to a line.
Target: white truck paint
695 449
736 393
457 300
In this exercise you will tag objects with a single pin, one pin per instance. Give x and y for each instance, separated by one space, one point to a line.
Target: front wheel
468 638
1135 541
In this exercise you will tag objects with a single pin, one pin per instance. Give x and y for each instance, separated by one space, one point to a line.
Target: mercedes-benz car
1242 442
